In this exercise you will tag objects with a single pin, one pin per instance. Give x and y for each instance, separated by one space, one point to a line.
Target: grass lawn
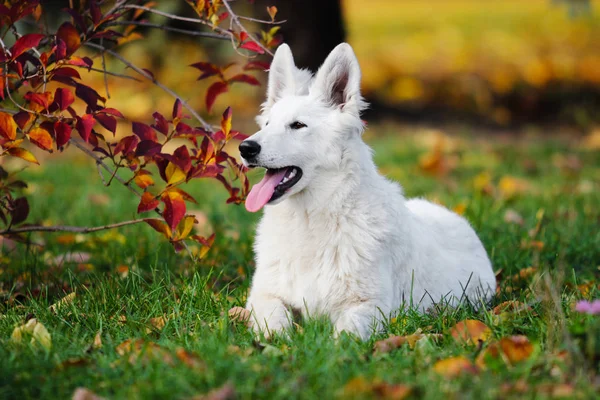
148 323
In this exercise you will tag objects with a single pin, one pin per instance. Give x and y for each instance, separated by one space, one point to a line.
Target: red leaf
95 13
107 121
81 62
252 46
69 34
181 158
143 131
25 43
177 109
67 72
84 126
160 123
22 118
148 148
89 95
257 65
207 69
62 133
174 208
63 98
226 121
127 145
245 78
43 99
214 90
112 111
147 203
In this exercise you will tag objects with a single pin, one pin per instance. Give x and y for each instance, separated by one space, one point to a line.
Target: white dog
337 239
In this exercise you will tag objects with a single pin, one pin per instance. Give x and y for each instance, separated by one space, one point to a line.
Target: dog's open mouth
276 182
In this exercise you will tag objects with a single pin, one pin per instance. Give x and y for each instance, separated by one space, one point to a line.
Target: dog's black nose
249 149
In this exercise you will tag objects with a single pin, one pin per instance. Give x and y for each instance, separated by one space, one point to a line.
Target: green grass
194 297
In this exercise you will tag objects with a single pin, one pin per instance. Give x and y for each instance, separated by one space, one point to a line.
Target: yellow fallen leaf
454 366
68 299
34 329
97 340
391 343
516 348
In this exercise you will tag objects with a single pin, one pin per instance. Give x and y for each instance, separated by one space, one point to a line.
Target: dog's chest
314 263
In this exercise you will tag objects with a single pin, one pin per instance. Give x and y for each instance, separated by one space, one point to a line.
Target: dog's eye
297 125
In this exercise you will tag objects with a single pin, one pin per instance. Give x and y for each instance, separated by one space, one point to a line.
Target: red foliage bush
47 119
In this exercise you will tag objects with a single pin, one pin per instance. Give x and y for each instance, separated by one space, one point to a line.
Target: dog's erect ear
338 80
281 76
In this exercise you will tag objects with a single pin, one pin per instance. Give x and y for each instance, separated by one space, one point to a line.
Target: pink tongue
261 193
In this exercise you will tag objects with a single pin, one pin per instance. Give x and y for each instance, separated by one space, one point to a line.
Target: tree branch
74 229
235 20
100 162
170 29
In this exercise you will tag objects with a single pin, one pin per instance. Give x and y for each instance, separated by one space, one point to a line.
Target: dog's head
304 122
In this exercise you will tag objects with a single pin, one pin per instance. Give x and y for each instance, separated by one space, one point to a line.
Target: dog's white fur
344 242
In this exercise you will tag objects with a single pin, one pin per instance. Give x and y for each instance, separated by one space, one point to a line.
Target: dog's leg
361 320
269 314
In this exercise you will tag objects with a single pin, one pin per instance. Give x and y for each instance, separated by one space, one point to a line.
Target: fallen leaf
189 359
470 331
392 343
516 348
85 394
68 299
97 340
139 350
454 366
34 329
157 324
510 350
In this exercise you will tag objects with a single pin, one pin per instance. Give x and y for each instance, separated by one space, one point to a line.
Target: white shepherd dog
337 239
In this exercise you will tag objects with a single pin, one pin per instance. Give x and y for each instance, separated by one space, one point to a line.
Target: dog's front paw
360 328
269 317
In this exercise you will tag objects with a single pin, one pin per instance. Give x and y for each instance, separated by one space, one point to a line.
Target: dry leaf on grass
68 299
511 350
156 324
392 343
34 329
470 331
138 350
455 366
189 359
85 394
97 341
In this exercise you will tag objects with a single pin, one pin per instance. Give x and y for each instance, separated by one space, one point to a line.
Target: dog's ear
281 76
338 80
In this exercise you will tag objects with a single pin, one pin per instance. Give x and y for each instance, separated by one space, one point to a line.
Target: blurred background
494 63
